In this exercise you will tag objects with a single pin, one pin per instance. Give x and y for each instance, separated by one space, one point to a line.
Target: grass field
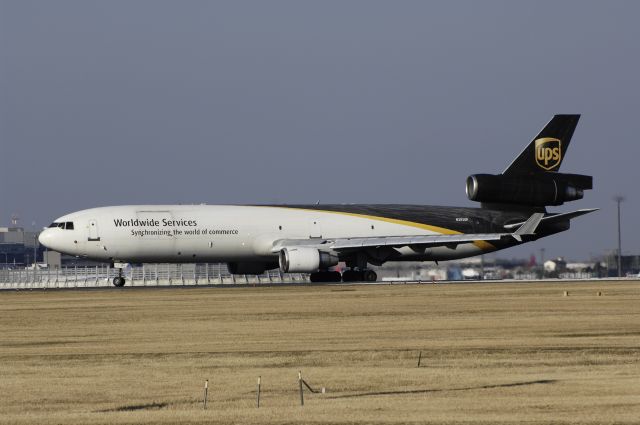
491 353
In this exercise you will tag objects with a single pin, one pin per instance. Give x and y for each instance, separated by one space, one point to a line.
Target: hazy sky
122 102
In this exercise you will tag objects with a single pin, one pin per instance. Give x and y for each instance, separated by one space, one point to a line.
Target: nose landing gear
119 281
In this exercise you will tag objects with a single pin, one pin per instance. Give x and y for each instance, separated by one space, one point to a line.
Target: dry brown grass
491 353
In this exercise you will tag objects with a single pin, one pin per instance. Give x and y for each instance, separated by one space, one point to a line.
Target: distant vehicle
36 266
470 274
314 238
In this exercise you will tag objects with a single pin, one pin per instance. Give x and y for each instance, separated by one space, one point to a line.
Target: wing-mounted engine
305 260
538 190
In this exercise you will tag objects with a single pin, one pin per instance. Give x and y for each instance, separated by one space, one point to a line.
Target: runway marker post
258 395
206 394
300 385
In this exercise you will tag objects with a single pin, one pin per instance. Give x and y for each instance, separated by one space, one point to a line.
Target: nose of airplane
46 238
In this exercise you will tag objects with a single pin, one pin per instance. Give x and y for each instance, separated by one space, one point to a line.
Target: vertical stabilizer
547 150
532 181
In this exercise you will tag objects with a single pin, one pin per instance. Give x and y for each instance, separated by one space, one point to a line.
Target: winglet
528 227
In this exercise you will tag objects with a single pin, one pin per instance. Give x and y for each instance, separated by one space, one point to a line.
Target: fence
144 275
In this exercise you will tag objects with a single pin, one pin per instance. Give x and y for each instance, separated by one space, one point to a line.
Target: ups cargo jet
314 238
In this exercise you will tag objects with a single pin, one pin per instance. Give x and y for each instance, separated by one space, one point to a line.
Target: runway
551 352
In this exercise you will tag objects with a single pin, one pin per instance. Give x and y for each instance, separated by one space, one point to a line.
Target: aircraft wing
527 228
430 240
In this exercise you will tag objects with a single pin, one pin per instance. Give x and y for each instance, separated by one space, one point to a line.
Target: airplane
314 238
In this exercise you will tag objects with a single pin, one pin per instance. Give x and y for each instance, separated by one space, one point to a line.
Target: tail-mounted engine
537 190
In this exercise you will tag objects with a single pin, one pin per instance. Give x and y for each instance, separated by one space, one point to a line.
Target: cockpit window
65 225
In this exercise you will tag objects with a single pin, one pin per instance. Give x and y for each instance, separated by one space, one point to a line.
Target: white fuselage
220 233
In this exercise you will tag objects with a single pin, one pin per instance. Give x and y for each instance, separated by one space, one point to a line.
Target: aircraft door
94 235
315 230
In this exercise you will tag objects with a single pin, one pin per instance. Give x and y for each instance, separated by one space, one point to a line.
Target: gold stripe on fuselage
483 245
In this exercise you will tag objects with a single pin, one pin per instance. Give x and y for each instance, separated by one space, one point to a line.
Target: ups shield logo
548 152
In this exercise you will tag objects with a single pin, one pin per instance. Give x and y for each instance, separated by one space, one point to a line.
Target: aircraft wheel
119 282
325 276
352 276
369 276
335 277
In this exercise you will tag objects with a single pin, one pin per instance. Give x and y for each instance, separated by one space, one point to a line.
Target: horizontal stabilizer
554 218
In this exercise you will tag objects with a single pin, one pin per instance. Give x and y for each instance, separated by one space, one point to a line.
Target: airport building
630 264
19 247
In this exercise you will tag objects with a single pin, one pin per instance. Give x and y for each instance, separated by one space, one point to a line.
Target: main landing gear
325 276
347 276
359 276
